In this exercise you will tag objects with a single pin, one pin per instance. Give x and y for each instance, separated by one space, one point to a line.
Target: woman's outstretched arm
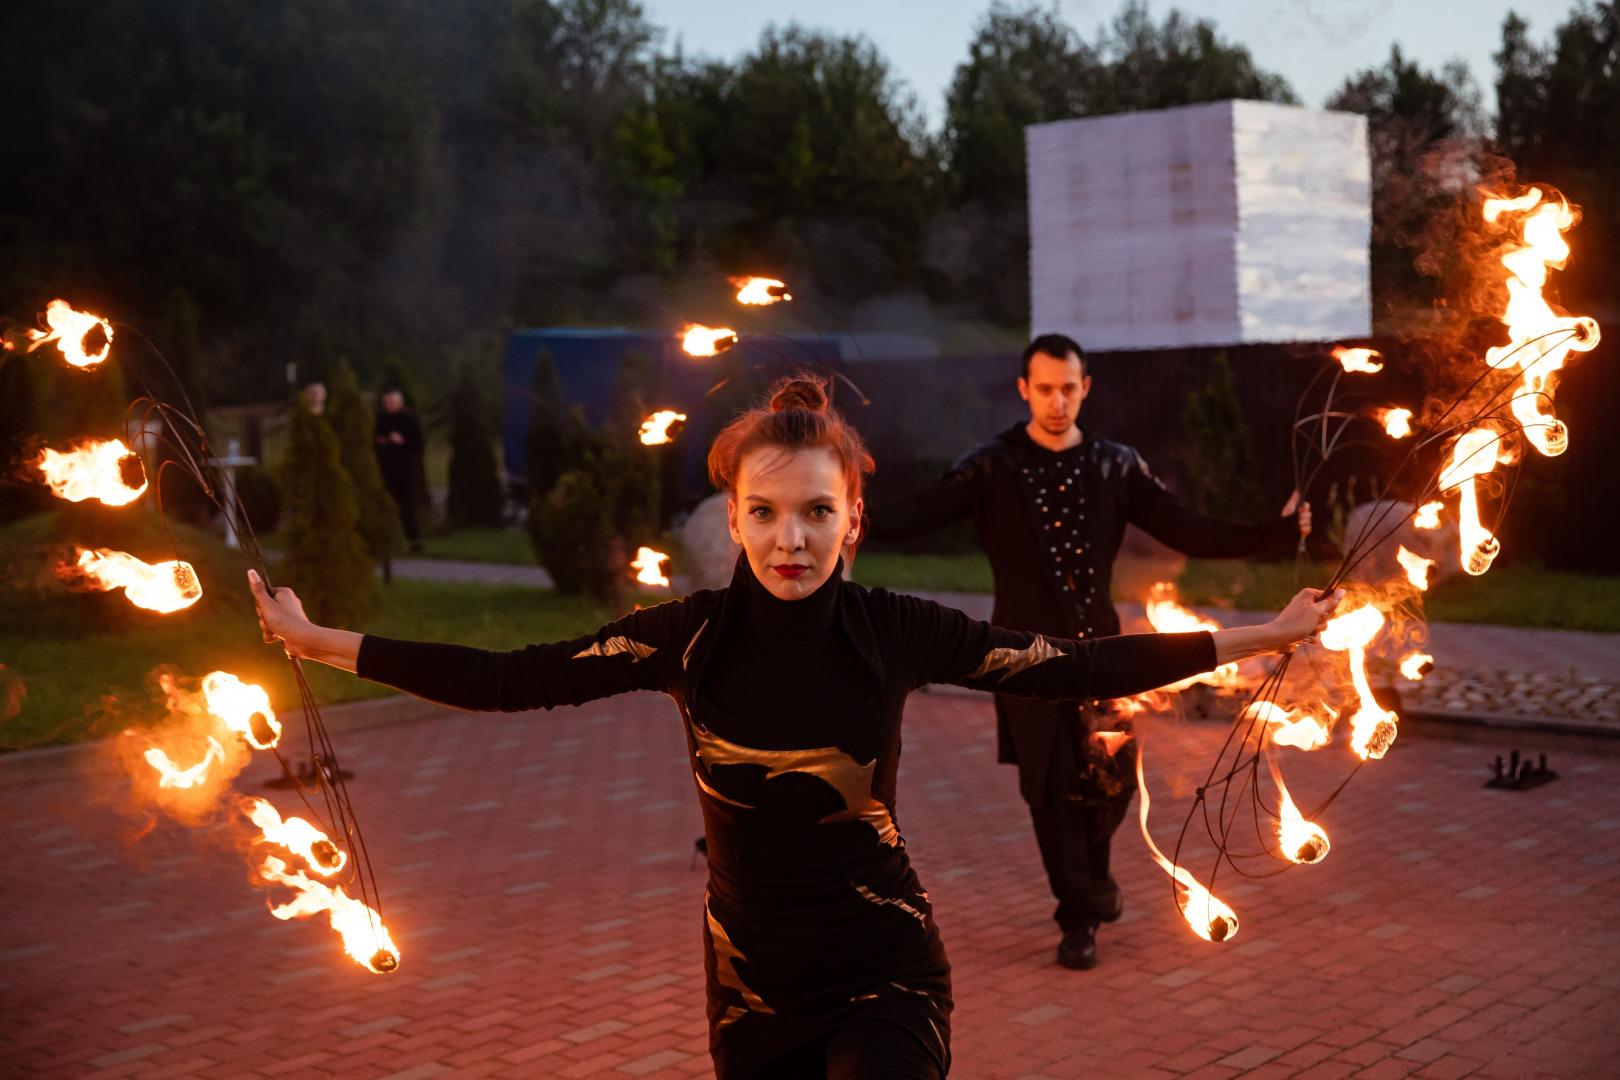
633 653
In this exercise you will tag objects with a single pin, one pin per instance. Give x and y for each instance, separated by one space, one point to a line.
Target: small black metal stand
306 775
1521 776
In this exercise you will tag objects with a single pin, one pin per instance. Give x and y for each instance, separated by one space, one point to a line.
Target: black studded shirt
1054 482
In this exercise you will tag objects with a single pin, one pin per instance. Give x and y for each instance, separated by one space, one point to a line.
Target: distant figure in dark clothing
399 454
1051 504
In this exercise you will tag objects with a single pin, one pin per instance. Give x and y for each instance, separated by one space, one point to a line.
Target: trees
475 495
1220 458
324 557
352 422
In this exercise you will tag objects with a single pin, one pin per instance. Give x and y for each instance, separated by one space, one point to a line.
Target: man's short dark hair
1058 346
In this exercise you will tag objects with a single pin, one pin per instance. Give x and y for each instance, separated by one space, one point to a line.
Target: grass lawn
931 573
481 545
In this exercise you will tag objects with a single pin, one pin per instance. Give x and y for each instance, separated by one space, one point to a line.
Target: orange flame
1151 701
647 562
1303 842
1475 454
760 290
1208 917
1169 617
364 936
1416 665
1372 728
655 429
244 707
1358 359
1284 728
164 587
1539 340
102 469
1397 422
1416 567
297 836
69 328
1428 515
171 775
706 341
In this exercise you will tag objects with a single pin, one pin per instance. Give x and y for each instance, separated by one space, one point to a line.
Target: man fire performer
822 957
1051 507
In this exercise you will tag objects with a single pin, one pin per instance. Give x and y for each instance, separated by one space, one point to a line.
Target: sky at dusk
1315 44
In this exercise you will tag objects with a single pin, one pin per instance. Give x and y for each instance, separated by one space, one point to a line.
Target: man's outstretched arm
1153 509
951 498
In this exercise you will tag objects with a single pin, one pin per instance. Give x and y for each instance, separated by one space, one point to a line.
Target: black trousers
402 486
863 1050
1077 796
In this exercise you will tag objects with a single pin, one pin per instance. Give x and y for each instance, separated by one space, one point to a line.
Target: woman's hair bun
799 392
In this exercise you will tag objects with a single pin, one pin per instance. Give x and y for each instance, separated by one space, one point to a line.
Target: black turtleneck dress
814 918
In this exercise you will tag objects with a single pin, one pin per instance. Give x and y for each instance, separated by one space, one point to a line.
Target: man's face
393 401
1054 389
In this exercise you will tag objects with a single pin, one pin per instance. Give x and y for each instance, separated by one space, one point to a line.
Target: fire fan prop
187 765
1449 450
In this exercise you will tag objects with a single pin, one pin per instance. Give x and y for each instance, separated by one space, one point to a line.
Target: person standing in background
1051 503
399 450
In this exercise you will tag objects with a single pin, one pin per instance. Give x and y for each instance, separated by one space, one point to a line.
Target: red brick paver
535 873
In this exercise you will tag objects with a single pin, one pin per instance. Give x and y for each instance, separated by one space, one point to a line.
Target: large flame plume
1208 916
1539 339
1169 617
102 469
706 340
1397 422
1428 515
655 429
1372 727
171 775
1475 453
364 936
646 565
244 707
69 329
1298 729
1416 665
164 587
1416 567
760 290
1303 842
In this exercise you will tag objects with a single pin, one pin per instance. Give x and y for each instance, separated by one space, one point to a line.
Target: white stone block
1216 224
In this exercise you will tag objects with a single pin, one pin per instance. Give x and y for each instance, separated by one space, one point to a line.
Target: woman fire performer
821 952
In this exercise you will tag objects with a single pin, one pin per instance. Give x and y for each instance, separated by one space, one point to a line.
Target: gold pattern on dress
829 764
709 791
733 1014
872 897
1015 660
613 646
690 645
726 956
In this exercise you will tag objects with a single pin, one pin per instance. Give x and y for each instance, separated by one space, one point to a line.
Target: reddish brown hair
797 418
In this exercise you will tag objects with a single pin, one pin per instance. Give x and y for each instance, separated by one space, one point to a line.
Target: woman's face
792 515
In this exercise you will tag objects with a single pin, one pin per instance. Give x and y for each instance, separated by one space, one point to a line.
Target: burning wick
1303 842
244 707
1416 567
69 328
364 936
647 562
655 429
1169 617
164 587
1397 422
1209 918
706 341
760 290
1284 728
172 775
1358 359
102 469
1469 458
297 836
1539 340
1372 728
1428 515
1416 665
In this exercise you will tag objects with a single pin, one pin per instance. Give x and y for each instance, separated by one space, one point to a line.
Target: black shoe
1078 949
1110 901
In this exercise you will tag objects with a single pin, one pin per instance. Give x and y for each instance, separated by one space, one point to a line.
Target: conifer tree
571 528
325 559
1220 459
353 423
546 445
475 483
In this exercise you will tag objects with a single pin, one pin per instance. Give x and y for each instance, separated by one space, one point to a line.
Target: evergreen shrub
324 558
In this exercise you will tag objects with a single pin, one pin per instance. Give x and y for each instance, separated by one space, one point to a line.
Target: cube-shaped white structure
1217 224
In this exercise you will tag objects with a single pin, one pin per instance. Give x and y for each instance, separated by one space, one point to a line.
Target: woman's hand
1300 621
282 618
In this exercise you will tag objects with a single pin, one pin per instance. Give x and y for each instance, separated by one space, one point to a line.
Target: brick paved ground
536 877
